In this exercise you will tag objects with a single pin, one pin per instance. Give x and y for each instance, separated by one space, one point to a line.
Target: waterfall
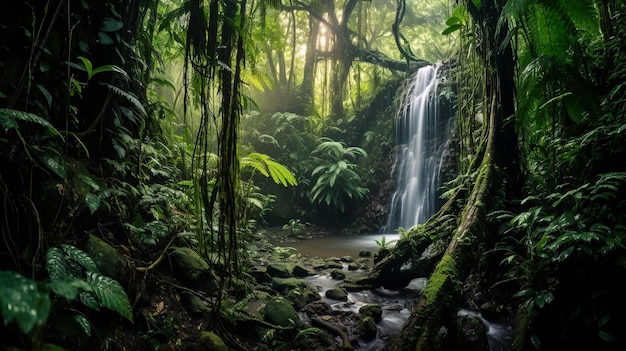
422 135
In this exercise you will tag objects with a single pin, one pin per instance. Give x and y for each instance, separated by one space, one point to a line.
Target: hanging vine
213 61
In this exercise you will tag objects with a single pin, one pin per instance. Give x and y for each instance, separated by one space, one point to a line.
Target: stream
396 304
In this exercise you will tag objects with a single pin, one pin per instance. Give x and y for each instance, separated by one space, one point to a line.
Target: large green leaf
9 116
80 257
52 159
56 264
111 25
110 294
269 168
22 301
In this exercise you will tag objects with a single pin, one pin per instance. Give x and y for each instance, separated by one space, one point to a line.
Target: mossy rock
283 284
333 264
338 294
209 341
284 252
278 270
366 328
372 310
300 271
301 297
354 266
190 268
279 311
337 274
259 274
193 304
109 261
365 253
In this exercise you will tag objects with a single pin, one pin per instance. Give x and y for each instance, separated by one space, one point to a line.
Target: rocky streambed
285 301
316 292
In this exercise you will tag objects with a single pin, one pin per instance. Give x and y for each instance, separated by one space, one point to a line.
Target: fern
9 118
269 168
128 97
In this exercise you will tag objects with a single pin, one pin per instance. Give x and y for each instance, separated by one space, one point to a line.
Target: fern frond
132 99
8 118
269 168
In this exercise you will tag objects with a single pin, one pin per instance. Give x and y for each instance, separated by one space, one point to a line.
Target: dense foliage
150 124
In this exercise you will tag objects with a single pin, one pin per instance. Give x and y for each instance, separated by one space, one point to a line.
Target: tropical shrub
338 178
74 281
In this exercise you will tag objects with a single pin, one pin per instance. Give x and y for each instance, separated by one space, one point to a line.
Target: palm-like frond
264 164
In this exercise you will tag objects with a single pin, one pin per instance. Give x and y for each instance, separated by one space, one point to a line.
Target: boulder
191 269
354 266
372 310
338 294
300 271
337 274
279 311
278 270
259 273
109 261
365 253
209 341
366 328
283 284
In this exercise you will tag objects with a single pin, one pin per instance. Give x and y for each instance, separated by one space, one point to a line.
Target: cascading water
422 133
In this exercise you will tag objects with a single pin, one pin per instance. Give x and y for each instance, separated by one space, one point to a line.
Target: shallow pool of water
340 245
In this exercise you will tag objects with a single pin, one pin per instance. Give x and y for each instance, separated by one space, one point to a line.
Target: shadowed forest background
136 135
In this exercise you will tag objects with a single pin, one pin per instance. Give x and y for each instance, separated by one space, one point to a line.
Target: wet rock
354 266
283 284
366 328
109 261
337 274
190 268
284 252
209 341
193 304
332 264
300 271
365 253
279 311
319 263
354 286
347 259
317 308
490 310
338 294
297 298
473 333
278 270
259 273
372 310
